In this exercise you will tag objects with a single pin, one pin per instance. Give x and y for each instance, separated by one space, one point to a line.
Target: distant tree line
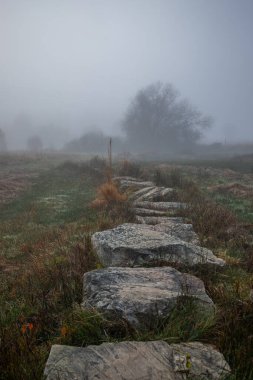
157 120
93 142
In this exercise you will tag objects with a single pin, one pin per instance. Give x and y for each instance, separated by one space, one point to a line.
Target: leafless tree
34 144
3 145
158 118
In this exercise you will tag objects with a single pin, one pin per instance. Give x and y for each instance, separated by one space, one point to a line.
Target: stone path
129 288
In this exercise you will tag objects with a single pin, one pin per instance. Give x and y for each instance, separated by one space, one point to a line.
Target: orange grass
107 194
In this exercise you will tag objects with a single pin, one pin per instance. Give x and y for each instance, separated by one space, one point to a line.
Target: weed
187 321
83 327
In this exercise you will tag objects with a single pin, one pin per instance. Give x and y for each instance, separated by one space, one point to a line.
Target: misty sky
76 64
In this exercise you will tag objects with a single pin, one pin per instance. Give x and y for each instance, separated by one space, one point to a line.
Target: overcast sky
77 63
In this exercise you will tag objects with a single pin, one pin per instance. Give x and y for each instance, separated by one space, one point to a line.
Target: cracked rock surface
136 361
137 244
181 231
141 295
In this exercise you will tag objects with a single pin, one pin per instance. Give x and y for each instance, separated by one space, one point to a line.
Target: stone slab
141 295
151 194
148 212
179 230
136 244
136 361
160 206
124 184
153 220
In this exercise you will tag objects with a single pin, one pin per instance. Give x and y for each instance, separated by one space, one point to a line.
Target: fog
70 66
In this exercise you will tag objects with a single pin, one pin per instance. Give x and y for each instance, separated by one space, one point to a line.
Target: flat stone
137 244
151 193
149 212
136 361
125 178
130 182
152 220
136 195
136 184
160 206
179 230
140 295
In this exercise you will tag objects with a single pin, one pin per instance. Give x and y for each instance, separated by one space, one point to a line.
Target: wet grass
45 248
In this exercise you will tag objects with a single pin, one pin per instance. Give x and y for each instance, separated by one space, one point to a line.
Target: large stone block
152 220
141 295
151 194
151 212
179 230
134 184
136 361
160 206
137 244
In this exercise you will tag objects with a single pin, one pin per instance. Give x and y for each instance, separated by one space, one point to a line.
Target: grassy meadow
46 220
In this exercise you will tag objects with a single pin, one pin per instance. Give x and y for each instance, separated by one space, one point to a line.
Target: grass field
45 225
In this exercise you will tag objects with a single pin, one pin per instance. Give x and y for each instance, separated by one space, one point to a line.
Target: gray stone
160 206
137 244
152 220
134 183
139 193
141 295
204 361
151 194
136 361
172 226
125 178
179 230
149 212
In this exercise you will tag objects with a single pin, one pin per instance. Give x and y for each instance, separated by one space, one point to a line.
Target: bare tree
3 145
34 144
158 118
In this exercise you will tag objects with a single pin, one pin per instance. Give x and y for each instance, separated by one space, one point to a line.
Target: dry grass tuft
108 194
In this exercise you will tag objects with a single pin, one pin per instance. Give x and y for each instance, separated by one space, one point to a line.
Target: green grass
44 251
59 198
241 164
59 195
45 248
243 208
